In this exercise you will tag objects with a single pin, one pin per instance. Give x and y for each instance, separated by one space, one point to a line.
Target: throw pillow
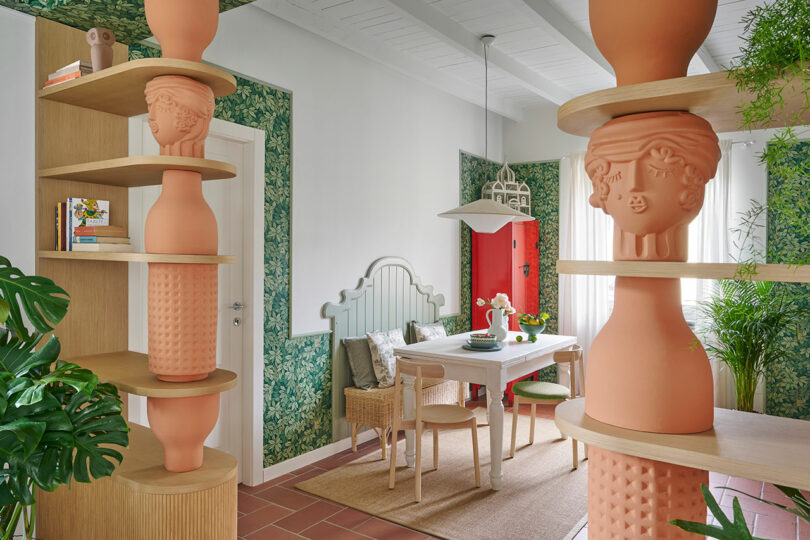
428 331
359 354
382 346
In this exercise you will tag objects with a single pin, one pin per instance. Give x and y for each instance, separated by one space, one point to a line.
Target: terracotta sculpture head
180 111
649 172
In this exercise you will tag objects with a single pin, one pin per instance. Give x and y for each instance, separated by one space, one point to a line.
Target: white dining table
491 368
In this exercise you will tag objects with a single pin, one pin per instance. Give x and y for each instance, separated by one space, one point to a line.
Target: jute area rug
541 498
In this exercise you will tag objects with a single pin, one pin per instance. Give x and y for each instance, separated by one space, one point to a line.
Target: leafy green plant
727 529
744 321
773 66
57 422
738 530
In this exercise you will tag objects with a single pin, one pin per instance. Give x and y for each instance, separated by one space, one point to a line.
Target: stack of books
69 72
84 225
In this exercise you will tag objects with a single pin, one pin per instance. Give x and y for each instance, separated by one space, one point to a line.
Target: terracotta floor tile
744 484
303 470
717 479
260 518
385 530
772 494
349 518
247 503
804 530
749 516
308 516
300 478
288 498
776 527
271 532
326 531
252 490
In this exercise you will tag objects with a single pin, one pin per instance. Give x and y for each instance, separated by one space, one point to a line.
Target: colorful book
84 213
103 247
100 240
63 78
78 65
59 235
108 230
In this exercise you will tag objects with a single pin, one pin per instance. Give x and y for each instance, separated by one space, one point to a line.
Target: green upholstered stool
546 393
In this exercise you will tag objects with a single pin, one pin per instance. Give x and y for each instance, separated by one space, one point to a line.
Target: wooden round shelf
652 269
713 96
756 446
119 89
138 257
129 372
137 171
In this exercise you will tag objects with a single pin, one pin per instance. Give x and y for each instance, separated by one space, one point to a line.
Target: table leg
408 412
495 437
489 402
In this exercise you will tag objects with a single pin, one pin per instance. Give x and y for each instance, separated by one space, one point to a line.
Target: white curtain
586 233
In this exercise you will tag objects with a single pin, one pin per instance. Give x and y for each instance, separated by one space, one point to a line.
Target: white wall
536 137
17 139
375 158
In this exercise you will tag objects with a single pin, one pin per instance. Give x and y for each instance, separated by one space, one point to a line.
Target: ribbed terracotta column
182 297
645 372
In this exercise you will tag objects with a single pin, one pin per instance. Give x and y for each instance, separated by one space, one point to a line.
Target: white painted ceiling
543 53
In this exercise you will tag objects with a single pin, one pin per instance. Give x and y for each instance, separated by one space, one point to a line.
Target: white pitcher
498 324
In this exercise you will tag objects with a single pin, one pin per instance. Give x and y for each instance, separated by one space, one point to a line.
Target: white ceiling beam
454 34
707 60
329 28
563 31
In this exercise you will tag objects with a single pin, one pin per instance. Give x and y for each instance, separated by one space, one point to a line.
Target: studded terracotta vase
650 40
645 370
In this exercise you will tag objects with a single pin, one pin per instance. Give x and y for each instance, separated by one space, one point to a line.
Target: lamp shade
486 215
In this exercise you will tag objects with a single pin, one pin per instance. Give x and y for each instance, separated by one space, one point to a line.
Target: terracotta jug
184 28
181 425
650 40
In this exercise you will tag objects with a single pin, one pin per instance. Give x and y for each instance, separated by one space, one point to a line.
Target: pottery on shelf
101 41
650 40
498 324
181 425
180 112
184 28
649 172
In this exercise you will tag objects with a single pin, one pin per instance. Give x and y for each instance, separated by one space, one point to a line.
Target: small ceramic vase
498 324
184 28
180 112
650 40
181 425
101 41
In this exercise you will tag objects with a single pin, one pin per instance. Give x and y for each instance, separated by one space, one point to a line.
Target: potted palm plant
744 323
57 423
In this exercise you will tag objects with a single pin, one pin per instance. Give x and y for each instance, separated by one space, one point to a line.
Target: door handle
237 306
526 269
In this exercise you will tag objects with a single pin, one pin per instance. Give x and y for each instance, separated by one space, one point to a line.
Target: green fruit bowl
532 329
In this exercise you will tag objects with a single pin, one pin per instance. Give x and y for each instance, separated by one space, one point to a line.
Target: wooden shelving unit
137 257
765 272
84 123
712 96
137 171
756 446
128 371
119 89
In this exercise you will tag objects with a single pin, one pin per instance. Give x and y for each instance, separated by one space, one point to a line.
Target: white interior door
225 197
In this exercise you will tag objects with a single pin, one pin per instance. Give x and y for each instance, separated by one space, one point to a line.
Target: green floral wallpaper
124 17
543 179
787 383
297 373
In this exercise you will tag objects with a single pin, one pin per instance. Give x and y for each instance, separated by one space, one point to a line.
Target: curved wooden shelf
755 446
765 272
129 372
137 171
142 469
119 89
712 96
138 257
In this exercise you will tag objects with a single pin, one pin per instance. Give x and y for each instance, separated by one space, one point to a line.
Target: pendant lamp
486 215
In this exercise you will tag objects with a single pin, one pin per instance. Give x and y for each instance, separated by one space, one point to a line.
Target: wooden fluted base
142 500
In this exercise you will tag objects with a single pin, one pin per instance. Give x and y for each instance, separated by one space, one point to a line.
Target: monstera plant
57 422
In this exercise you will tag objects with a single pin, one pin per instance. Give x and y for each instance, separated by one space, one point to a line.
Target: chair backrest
419 371
572 357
